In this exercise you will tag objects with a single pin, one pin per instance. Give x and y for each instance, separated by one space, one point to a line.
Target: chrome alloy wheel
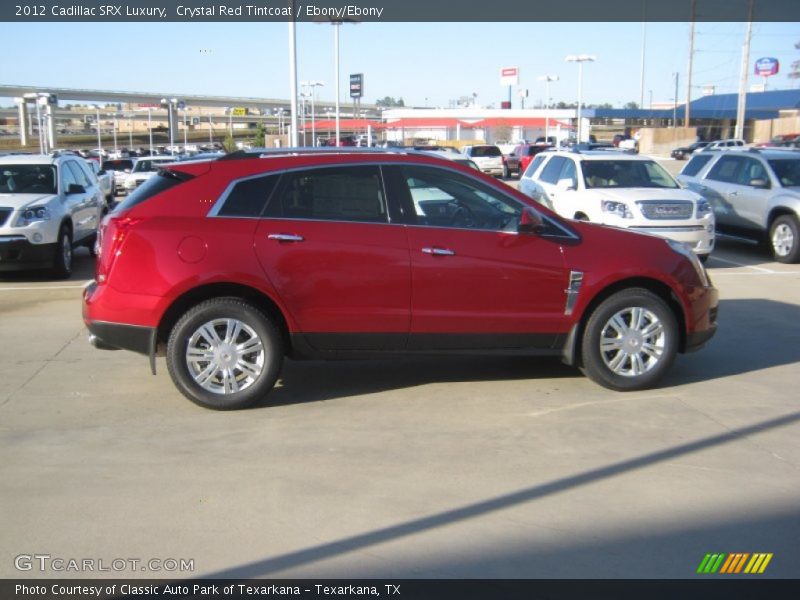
225 356
782 239
66 252
632 341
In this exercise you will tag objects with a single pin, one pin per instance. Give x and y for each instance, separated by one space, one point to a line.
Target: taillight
110 238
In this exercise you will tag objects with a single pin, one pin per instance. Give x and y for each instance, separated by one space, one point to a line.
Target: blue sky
437 61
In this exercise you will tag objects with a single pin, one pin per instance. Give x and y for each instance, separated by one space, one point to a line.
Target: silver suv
48 205
754 194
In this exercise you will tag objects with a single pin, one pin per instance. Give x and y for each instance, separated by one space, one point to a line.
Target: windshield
626 174
144 166
482 151
787 170
27 179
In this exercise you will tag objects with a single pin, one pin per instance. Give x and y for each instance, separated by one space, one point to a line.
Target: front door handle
285 237
438 251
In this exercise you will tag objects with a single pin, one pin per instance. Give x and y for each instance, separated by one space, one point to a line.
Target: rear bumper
118 336
18 254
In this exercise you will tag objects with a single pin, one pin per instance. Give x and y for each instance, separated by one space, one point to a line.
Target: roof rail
269 152
754 149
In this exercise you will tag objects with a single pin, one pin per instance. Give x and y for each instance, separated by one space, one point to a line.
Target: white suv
623 190
143 169
488 158
48 205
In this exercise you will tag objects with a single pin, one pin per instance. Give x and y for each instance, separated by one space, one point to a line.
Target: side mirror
565 184
760 183
75 188
530 222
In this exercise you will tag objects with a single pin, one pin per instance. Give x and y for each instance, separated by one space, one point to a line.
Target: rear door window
552 170
331 194
696 164
727 169
248 197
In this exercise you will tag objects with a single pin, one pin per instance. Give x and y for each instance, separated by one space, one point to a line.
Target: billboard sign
356 85
509 76
767 66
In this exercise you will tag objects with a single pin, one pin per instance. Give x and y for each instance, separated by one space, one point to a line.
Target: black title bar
398 10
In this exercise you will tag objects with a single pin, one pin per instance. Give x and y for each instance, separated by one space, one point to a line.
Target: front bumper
705 308
18 254
700 238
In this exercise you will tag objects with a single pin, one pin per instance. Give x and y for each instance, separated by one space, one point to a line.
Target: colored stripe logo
734 563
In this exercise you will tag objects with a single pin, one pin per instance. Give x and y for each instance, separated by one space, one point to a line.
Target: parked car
684 151
105 180
119 169
526 152
754 194
143 169
227 266
623 190
488 158
48 206
456 157
724 145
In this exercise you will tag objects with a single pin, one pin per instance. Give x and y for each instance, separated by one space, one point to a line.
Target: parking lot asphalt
447 467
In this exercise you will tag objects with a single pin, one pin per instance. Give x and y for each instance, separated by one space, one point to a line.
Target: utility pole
675 104
641 75
739 131
687 122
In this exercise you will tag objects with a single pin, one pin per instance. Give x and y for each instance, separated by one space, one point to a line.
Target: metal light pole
336 26
115 133
185 130
580 59
293 141
210 131
99 141
313 85
150 127
547 79
130 132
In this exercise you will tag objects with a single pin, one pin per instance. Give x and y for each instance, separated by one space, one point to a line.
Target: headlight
619 209
703 208
684 250
33 214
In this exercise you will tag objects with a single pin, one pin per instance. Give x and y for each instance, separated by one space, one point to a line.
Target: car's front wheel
224 354
62 254
630 340
784 237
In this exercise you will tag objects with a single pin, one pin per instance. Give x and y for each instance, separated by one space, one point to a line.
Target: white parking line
718 273
738 264
44 287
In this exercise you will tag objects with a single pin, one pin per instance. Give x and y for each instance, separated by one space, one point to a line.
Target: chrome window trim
214 211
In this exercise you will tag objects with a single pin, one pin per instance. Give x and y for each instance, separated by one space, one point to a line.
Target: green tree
388 101
229 144
631 105
260 140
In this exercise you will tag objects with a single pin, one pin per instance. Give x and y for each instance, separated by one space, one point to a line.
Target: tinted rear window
248 197
696 163
161 182
117 165
480 151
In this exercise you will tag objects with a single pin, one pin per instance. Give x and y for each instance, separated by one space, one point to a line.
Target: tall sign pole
740 108
293 82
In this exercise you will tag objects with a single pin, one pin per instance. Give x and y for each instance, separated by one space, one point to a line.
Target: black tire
505 171
599 365
187 330
784 239
62 255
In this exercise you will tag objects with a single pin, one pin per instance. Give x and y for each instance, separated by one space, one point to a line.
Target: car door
751 200
476 282
76 204
720 189
339 264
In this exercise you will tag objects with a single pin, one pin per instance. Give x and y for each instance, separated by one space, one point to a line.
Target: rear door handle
285 237
438 251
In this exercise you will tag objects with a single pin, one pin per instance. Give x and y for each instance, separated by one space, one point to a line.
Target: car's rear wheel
62 255
224 354
784 237
630 340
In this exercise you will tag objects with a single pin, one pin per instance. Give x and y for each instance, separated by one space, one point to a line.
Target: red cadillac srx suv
226 266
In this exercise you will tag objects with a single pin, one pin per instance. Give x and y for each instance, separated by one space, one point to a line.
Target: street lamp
580 59
303 96
547 79
170 105
313 85
99 141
